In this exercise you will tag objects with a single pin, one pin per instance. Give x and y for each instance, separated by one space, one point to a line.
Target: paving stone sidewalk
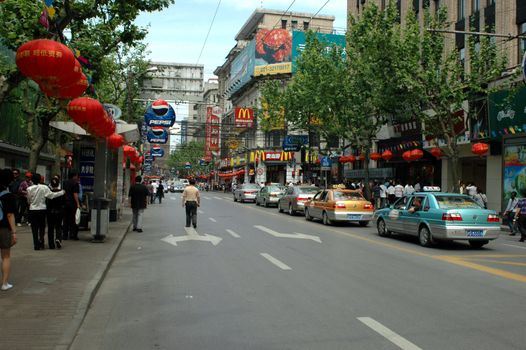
54 288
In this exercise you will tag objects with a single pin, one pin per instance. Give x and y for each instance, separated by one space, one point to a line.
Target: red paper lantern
66 92
343 159
375 156
86 111
480 148
436 152
407 156
115 141
361 157
128 151
71 77
45 61
387 155
351 159
416 154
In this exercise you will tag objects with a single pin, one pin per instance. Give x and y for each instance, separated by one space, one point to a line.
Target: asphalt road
251 278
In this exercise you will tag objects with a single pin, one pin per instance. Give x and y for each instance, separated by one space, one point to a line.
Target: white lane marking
394 338
276 261
200 211
218 198
233 234
288 235
212 219
207 198
172 198
514 246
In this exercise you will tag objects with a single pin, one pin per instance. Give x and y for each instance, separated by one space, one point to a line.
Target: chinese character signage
212 131
87 168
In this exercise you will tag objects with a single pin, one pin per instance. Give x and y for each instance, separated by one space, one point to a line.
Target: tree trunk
37 142
367 188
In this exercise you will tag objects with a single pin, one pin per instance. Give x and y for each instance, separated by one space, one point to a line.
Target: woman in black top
55 211
7 225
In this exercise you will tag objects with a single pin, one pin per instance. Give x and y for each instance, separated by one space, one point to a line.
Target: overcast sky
178 33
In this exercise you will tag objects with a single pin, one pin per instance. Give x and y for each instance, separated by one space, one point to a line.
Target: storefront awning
129 131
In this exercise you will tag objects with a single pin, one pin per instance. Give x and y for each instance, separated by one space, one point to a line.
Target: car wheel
265 204
291 211
307 215
363 223
478 244
425 238
257 202
235 198
382 229
279 207
325 219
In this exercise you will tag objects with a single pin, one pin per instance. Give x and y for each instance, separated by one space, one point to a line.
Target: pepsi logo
160 107
157 130
156 148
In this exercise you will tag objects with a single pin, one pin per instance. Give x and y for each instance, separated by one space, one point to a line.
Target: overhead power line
321 8
209 30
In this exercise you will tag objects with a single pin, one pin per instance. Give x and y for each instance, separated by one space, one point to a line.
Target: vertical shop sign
87 168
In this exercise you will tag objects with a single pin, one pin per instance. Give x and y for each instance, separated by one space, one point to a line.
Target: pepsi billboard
160 113
157 134
157 151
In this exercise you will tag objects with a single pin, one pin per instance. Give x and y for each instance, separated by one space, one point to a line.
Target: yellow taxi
338 204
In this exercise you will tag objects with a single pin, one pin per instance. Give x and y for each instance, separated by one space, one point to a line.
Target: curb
87 298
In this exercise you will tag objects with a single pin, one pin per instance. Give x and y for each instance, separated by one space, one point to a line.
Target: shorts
5 238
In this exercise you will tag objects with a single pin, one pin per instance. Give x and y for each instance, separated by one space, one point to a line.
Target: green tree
98 28
449 84
191 152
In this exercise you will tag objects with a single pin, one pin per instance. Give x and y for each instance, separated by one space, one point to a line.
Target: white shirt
472 190
512 204
417 187
37 194
383 191
408 190
391 190
399 191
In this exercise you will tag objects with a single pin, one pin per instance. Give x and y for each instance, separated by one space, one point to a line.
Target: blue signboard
160 113
188 165
326 163
87 168
293 143
157 134
157 152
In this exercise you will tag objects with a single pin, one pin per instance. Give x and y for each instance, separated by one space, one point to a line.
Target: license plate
354 217
475 233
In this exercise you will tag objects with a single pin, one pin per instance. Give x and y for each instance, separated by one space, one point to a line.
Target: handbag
77 216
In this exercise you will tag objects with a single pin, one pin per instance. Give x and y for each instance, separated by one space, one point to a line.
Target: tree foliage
191 152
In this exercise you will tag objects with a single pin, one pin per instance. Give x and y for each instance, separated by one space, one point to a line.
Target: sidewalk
54 288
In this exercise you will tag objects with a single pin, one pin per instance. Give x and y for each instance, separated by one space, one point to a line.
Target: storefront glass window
514 170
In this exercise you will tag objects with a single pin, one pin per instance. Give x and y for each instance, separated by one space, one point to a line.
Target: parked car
342 205
434 215
178 186
246 192
270 195
295 198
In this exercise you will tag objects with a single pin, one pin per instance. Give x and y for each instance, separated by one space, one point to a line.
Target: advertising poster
514 170
157 134
242 68
273 52
299 42
87 168
160 113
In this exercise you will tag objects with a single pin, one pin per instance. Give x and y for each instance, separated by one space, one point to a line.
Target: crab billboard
160 113
157 134
273 52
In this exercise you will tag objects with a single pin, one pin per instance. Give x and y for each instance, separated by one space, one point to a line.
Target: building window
462 55
461 8
522 45
416 6
475 6
305 25
283 24
294 24
383 5
491 2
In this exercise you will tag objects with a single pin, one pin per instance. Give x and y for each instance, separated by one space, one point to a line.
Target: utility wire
209 30
321 8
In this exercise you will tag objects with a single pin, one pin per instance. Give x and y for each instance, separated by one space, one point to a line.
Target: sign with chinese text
87 168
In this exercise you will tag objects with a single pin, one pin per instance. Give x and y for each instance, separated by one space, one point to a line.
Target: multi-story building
265 49
502 170
198 113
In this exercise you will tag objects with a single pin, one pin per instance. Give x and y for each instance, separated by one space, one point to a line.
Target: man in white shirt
408 190
36 197
510 212
399 191
391 193
383 195
472 189
155 185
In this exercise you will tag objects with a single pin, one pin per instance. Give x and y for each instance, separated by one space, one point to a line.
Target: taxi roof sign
432 189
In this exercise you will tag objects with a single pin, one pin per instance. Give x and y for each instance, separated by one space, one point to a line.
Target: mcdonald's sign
244 117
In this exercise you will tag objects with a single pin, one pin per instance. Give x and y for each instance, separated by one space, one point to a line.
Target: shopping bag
77 216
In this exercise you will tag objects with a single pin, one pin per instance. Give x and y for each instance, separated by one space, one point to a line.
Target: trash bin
100 218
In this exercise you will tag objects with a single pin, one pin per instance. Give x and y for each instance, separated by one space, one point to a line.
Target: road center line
212 219
233 234
276 261
394 338
514 246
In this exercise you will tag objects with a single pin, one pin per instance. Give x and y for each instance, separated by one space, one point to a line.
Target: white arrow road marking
172 198
276 261
192 235
394 338
200 212
212 219
218 198
287 235
207 198
233 234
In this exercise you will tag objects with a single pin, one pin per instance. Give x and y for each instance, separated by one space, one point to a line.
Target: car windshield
347 196
456 202
276 189
309 190
250 187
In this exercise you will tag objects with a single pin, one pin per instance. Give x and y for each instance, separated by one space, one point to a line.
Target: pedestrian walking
149 186
399 190
23 204
481 199
138 196
509 213
383 195
36 196
391 193
154 186
191 200
55 212
409 189
376 195
70 228
13 188
7 225
520 216
471 190
160 192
